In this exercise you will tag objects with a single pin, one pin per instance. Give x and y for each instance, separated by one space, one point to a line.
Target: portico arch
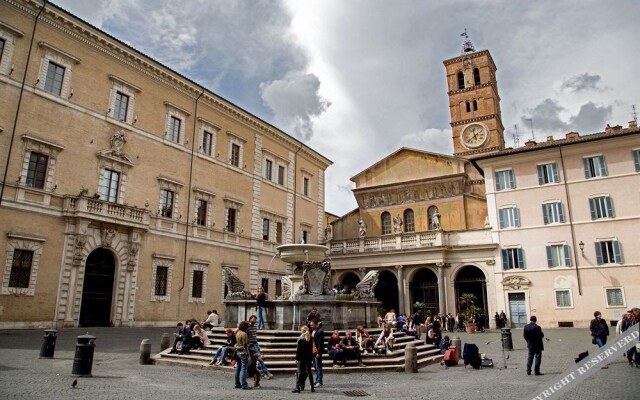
424 288
350 279
471 279
387 290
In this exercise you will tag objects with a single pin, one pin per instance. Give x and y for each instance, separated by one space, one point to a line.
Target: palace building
128 187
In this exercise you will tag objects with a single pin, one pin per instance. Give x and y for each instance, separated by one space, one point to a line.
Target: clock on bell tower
474 103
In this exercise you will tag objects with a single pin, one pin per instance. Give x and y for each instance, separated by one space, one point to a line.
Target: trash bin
507 342
83 359
48 343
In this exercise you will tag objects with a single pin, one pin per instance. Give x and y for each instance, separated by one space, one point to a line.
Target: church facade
128 187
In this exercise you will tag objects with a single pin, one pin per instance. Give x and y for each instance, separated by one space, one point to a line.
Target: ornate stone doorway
97 291
424 288
387 290
471 279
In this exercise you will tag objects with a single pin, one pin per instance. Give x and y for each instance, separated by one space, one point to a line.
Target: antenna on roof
533 136
634 115
467 47
516 137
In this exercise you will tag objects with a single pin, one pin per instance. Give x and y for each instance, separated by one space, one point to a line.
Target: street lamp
581 244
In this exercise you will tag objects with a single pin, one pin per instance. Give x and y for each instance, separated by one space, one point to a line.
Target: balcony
99 210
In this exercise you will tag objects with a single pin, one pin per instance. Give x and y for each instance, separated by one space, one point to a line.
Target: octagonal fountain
308 287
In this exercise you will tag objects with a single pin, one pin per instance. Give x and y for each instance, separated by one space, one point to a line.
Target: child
255 369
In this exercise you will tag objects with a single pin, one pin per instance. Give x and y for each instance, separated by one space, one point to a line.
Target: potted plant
468 302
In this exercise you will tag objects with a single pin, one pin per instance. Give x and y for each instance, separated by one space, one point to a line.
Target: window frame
385 223
279 232
231 224
36 176
509 217
555 298
622 296
460 79
234 159
20 274
306 186
409 220
107 183
167 203
52 84
505 179
565 256
119 112
601 207
613 252
266 229
202 213
509 261
282 175
22 242
60 58
553 212
548 173
268 169
476 76
591 170
635 153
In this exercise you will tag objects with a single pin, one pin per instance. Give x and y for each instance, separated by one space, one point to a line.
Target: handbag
314 349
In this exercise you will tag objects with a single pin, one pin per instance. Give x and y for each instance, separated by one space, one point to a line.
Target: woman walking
304 355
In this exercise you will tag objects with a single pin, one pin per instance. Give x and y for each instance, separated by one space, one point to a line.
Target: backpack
471 355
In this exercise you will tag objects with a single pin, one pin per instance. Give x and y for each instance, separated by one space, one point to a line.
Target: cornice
476 119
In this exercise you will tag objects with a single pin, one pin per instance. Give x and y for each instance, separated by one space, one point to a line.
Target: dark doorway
350 279
424 288
97 290
387 290
471 279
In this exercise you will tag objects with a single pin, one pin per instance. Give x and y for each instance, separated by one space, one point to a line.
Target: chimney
549 139
530 143
572 135
633 124
612 129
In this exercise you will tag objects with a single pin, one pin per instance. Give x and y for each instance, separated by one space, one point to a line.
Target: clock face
474 135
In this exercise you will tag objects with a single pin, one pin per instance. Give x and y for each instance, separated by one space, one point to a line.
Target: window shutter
567 256
499 185
636 159
609 204
617 251
501 217
520 258
592 206
587 173
554 169
549 257
512 179
603 166
505 259
561 212
599 254
540 174
516 216
545 215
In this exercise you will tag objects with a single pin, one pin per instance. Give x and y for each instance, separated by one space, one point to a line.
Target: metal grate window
563 298
21 268
162 275
198 280
614 297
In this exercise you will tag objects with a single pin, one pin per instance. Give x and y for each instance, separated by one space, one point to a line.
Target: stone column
400 270
442 299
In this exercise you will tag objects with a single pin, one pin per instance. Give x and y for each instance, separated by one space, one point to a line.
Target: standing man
261 302
252 334
242 356
317 333
533 336
599 331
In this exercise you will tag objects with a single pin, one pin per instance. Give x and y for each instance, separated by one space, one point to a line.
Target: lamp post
581 245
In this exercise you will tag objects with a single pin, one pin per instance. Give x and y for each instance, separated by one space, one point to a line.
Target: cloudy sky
358 79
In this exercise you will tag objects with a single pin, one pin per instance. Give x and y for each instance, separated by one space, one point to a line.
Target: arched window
434 218
409 222
460 80
468 106
386 223
475 105
476 76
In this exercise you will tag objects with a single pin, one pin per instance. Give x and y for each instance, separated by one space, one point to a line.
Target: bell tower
474 102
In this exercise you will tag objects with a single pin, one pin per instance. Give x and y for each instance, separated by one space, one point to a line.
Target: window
279 232
386 223
475 105
594 166
121 106
548 173
37 170
235 155
468 106
265 229
563 298
207 142
608 252
505 180
552 213
512 258
601 207
21 269
305 236
201 212
280 175
166 203
278 287
615 297
109 186
231 219
2 42
175 125
55 76
636 159
476 76
162 275
268 169
558 255
264 283
409 221
196 286
305 186
460 80
509 217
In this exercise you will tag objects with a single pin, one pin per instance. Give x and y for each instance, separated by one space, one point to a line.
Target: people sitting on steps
351 348
223 354
335 351
182 341
365 341
314 315
212 321
390 318
385 340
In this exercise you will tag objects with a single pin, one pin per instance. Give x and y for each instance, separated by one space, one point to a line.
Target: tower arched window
468 106
475 105
460 80
434 218
409 221
386 223
476 76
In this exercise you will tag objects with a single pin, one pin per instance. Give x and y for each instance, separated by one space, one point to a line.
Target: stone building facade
127 187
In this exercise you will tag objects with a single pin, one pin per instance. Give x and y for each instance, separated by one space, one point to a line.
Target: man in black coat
318 338
533 335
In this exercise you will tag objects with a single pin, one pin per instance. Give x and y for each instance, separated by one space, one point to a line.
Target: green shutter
512 179
587 170
541 175
599 260
499 185
561 212
567 256
617 251
505 259
549 258
554 168
516 216
501 217
592 206
520 258
609 204
603 166
636 159
545 215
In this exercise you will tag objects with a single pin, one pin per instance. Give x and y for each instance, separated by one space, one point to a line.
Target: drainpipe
15 120
186 230
295 193
570 217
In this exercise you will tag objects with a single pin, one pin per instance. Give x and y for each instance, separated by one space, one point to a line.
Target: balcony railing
91 208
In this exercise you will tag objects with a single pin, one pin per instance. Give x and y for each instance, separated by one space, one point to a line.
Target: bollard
458 343
48 343
83 359
411 358
507 342
164 342
145 351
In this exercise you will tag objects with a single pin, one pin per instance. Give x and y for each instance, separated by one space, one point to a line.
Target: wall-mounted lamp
135 119
37 81
109 111
71 93
581 245
13 66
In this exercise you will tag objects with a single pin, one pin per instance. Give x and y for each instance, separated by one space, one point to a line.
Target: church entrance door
97 291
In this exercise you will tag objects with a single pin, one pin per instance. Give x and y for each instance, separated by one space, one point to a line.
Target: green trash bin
83 359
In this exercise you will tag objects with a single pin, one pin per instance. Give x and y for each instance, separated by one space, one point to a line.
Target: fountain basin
295 253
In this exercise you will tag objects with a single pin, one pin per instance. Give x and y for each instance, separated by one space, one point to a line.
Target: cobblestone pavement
118 375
